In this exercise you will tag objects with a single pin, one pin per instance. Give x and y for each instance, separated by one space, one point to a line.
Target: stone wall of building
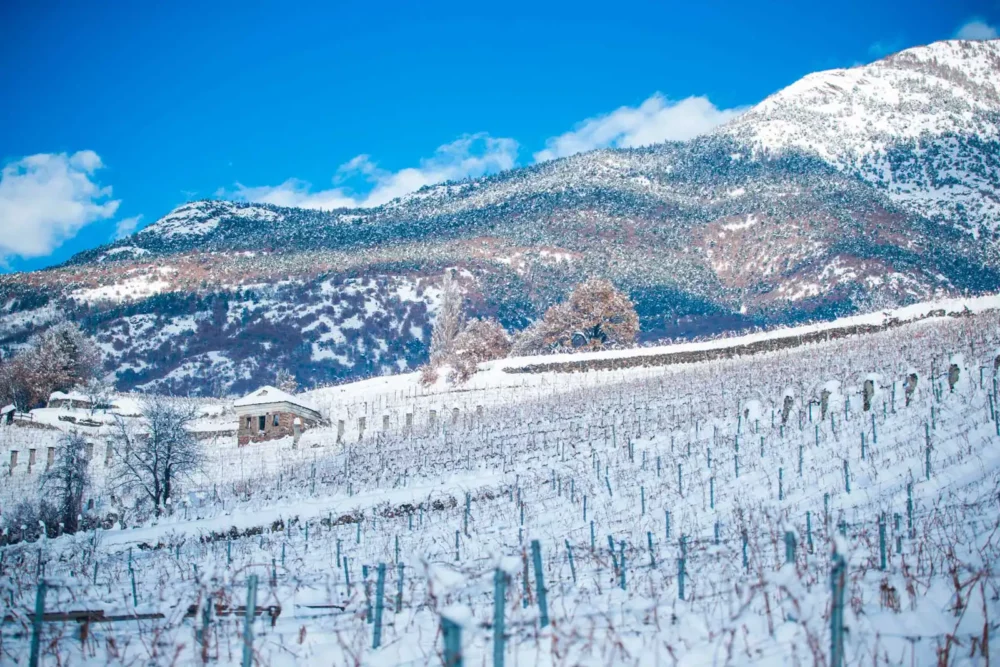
251 432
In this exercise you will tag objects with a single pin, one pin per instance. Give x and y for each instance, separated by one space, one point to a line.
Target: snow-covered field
681 468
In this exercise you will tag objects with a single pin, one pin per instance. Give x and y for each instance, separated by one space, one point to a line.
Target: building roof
268 395
6 409
68 396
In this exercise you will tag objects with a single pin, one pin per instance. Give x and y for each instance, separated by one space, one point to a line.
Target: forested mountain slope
850 190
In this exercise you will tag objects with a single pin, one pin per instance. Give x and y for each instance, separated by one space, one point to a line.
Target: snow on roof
68 396
7 408
268 394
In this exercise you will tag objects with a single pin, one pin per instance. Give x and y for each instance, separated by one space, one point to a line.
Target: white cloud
976 29
47 198
126 226
471 155
654 121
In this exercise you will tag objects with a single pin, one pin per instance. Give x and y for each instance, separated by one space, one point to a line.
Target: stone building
72 400
269 413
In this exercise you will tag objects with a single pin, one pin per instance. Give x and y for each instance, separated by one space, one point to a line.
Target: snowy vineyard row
635 489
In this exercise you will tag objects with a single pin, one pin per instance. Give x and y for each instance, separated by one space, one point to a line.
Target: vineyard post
837 586
680 578
452 635
499 595
746 560
36 624
881 542
206 620
622 559
543 606
789 547
248 620
379 605
399 587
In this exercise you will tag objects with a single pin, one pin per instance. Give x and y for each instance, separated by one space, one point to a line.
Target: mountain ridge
747 226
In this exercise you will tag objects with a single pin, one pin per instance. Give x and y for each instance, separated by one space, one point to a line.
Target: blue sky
114 113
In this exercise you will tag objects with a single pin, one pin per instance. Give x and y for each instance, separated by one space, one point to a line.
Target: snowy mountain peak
850 190
202 217
922 124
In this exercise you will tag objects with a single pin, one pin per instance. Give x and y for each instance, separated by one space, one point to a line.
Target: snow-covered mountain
851 190
923 125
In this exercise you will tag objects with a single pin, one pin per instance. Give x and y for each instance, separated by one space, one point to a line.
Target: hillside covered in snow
849 191
746 509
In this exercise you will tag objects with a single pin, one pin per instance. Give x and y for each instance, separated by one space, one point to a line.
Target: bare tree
533 339
57 359
596 315
449 322
68 479
156 452
15 383
480 340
